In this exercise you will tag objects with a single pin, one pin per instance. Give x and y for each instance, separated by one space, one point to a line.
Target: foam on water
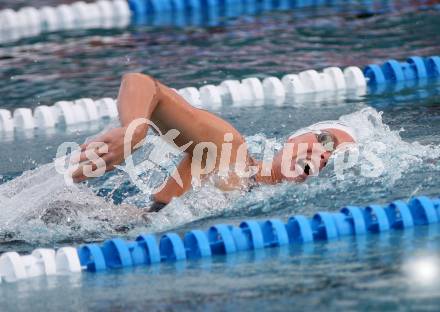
397 161
39 207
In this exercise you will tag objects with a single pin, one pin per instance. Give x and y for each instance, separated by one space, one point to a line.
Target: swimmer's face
310 153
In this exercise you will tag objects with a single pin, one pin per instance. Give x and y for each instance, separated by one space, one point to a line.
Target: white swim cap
330 124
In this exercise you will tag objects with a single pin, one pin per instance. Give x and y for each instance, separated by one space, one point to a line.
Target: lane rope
247 92
30 21
222 239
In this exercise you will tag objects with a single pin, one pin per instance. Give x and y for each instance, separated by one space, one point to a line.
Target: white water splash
38 207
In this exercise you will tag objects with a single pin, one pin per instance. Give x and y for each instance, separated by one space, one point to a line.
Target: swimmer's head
308 150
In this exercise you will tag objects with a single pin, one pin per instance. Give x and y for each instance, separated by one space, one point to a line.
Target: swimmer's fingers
79 174
108 147
89 169
105 138
93 144
111 141
97 147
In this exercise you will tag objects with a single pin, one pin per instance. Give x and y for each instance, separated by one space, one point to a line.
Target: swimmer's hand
103 153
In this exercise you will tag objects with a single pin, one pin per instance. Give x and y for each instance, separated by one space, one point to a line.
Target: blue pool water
371 273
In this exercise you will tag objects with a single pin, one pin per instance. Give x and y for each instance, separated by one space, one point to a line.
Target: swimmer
141 96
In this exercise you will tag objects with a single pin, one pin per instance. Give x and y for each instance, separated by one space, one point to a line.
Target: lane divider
29 21
222 239
249 91
61 113
414 68
40 262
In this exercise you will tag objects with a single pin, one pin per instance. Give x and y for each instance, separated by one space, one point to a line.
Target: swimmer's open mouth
307 169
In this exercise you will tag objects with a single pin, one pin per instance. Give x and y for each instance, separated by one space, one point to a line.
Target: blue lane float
392 71
224 239
229 7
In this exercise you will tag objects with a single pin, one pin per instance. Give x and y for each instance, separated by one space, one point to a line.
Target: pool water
402 125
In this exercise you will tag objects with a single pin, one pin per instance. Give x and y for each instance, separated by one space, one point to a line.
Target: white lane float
354 78
80 113
250 91
191 95
6 121
65 113
23 119
107 108
30 17
310 80
274 89
255 88
41 262
337 77
210 96
44 117
12 267
107 13
122 10
49 18
67 260
94 17
9 19
81 14
66 16
106 9
293 85
90 107
246 95
325 83
230 91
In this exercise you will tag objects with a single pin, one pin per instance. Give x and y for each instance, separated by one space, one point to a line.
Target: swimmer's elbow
135 76
138 78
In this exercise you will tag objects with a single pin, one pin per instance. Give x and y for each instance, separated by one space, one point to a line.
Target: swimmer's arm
172 188
141 96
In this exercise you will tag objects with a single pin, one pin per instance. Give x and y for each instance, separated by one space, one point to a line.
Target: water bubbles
38 207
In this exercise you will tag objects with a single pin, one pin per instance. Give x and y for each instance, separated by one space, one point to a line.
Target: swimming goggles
326 139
